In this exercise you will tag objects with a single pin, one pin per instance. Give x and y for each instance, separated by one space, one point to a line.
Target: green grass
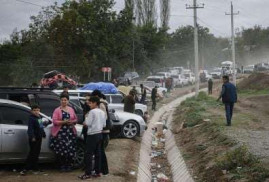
253 92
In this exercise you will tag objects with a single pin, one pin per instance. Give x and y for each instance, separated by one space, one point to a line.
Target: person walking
105 133
153 97
229 97
35 134
210 86
129 102
143 94
95 121
63 134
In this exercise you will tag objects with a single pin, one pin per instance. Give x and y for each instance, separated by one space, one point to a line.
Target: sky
16 14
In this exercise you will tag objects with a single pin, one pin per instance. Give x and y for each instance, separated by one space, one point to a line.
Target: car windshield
156 80
174 76
187 75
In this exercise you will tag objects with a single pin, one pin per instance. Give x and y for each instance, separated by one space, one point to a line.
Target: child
35 133
95 121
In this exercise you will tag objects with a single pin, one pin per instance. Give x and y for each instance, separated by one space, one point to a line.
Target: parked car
261 67
152 84
14 118
124 124
177 80
163 74
159 80
216 73
184 80
180 69
131 75
114 100
249 69
191 78
45 98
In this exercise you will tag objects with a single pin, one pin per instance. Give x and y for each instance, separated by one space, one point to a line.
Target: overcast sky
16 14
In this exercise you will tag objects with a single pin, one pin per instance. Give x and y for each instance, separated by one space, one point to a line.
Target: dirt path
123 156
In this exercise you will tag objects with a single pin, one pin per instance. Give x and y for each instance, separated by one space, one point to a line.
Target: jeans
93 148
33 155
229 112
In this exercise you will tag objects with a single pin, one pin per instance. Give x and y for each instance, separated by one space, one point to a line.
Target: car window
3 96
116 99
48 103
14 116
108 98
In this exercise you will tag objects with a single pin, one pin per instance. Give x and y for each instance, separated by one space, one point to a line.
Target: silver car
14 139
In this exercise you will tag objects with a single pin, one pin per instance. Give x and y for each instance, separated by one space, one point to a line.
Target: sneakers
23 172
84 176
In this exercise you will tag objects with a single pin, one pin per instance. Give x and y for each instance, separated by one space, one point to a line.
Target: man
229 97
95 121
129 102
153 98
143 94
65 90
210 86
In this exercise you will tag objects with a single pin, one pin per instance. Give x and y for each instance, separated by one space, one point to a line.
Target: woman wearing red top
63 139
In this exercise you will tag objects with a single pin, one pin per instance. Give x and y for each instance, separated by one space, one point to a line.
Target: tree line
80 37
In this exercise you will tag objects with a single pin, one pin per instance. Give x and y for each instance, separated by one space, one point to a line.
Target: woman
63 139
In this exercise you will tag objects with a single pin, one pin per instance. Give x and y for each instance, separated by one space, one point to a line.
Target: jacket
57 117
154 93
228 93
129 104
96 121
35 127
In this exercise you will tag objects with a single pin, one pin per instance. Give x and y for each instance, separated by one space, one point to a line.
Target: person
95 121
65 90
153 98
129 102
143 94
229 97
63 134
105 133
210 86
35 134
86 109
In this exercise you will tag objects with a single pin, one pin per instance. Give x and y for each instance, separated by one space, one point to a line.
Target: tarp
105 88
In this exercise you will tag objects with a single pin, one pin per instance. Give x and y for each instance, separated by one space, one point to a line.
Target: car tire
139 112
130 129
79 159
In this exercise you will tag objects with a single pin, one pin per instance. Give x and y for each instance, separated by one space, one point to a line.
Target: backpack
109 124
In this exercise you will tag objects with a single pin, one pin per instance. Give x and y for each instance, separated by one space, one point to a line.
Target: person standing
229 97
210 86
153 98
105 133
129 102
64 134
143 94
35 134
95 121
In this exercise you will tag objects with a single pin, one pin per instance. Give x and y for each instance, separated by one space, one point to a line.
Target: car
249 69
45 98
163 74
177 80
131 75
183 80
191 78
216 73
125 124
14 118
152 84
159 80
114 100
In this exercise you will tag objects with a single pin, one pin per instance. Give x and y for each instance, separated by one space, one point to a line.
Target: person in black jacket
35 133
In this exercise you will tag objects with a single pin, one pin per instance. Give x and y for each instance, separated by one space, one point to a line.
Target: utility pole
196 51
134 43
233 44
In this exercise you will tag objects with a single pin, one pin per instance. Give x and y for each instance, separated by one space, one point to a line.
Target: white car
125 124
249 69
163 74
14 118
190 76
159 80
216 73
177 80
184 80
114 100
152 84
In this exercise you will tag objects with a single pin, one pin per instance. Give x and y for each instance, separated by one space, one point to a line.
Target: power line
27 2
211 27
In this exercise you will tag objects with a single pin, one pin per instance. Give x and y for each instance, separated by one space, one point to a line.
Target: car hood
129 116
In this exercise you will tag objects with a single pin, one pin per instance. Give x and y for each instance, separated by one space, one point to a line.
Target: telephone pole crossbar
232 37
196 51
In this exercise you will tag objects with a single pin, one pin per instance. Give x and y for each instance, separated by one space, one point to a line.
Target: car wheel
130 129
79 159
139 112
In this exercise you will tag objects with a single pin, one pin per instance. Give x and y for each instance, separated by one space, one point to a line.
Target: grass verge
209 153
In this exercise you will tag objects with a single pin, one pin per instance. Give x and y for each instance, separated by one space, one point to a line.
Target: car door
14 137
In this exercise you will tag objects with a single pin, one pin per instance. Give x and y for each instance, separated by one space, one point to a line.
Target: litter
132 173
162 177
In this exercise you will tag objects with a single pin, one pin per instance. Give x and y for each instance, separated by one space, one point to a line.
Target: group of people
130 100
63 139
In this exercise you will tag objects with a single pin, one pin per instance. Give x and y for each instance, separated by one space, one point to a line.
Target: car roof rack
24 88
